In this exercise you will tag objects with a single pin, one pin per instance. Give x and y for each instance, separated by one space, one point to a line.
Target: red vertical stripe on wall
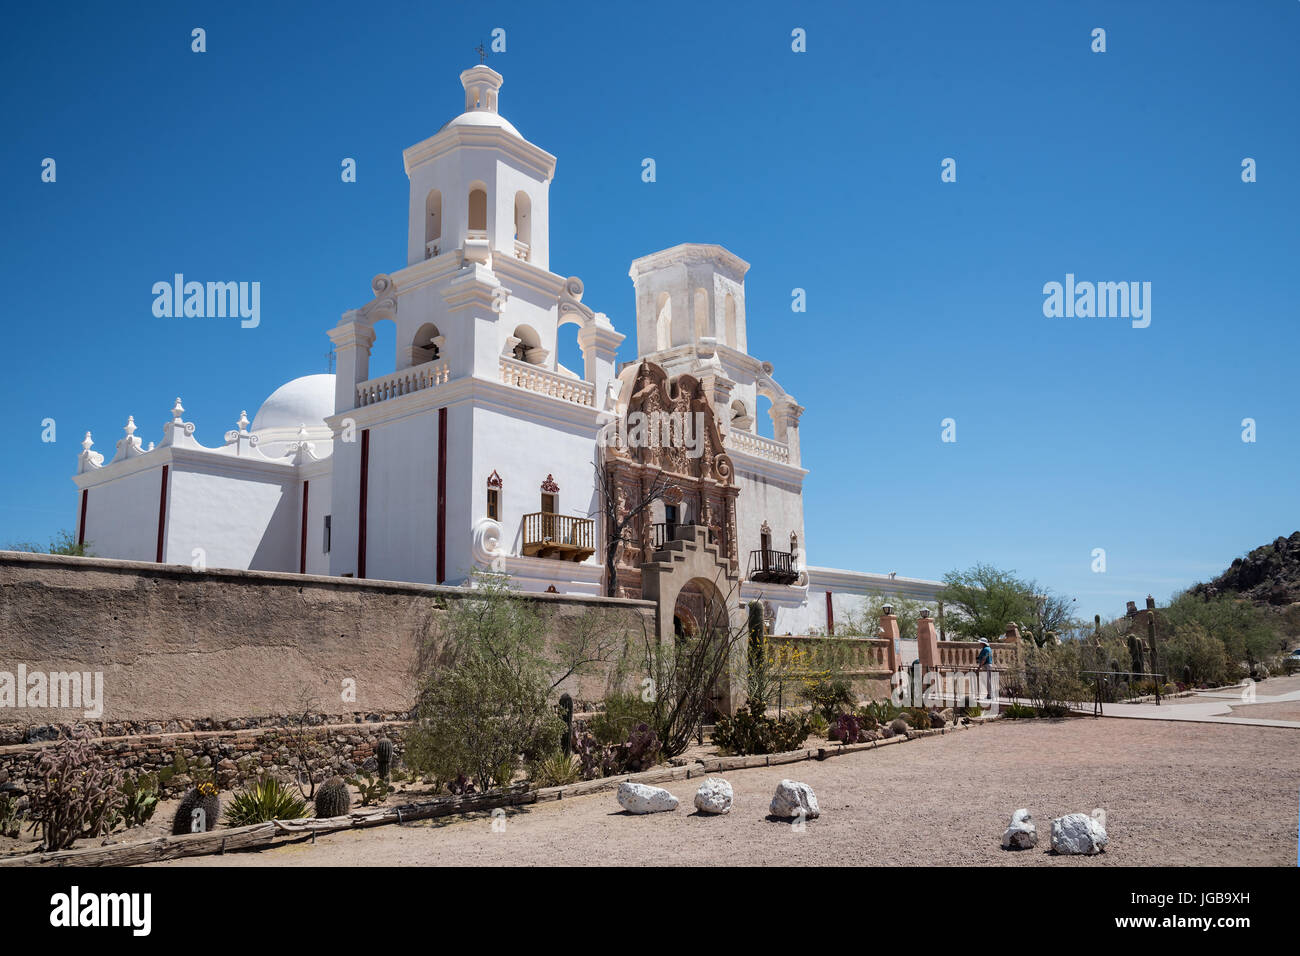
162 513
830 616
81 522
302 547
442 495
361 523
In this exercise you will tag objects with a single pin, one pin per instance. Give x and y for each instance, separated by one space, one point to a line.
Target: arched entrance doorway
692 584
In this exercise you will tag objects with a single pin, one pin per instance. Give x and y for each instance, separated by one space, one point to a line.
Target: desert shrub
1246 632
1051 676
849 729
622 713
75 794
1191 652
830 696
818 725
751 731
917 718
1019 712
267 799
485 703
685 671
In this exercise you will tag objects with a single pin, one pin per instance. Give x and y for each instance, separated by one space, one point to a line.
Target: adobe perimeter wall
181 649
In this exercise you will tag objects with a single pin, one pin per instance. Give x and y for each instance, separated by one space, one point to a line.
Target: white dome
304 401
483 118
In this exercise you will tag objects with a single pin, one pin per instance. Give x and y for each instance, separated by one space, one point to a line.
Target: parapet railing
768 448
534 378
408 380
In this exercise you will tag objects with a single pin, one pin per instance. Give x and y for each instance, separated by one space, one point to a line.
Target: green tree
987 599
1246 632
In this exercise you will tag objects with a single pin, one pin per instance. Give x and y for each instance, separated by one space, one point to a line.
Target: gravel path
1175 793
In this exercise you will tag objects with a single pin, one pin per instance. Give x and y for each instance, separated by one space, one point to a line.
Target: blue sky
822 169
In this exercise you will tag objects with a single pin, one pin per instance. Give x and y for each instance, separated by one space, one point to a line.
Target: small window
494 504
326 535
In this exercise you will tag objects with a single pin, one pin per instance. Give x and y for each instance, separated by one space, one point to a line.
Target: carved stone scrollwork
486 543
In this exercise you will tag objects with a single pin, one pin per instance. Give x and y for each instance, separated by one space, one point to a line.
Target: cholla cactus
333 799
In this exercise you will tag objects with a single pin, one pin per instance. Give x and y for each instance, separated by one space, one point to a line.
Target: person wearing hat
984 661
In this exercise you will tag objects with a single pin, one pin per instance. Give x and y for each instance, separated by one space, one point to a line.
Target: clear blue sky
821 169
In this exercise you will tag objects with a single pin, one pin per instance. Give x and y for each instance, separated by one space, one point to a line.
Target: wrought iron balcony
562 537
774 567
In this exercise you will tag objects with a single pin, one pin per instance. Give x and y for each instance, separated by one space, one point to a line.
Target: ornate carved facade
666 448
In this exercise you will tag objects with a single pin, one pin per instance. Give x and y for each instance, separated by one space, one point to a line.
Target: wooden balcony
772 567
561 537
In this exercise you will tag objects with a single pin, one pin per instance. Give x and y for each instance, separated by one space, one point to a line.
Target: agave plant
556 770
268 799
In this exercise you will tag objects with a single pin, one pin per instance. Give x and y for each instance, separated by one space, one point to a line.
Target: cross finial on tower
482 53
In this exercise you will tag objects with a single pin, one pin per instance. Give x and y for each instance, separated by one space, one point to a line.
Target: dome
483 118
304 401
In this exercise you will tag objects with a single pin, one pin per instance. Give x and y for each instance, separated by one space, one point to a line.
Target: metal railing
768 565
1113 687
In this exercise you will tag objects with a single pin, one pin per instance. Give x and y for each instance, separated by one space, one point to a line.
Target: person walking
984 662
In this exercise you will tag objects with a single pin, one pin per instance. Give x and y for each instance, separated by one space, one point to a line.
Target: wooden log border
277 832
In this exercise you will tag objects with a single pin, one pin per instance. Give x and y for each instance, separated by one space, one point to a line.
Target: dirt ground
1175 794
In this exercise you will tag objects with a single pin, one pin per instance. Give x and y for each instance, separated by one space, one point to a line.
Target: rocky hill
1268 575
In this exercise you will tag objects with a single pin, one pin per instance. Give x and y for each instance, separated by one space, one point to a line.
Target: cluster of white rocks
793 800
1074 833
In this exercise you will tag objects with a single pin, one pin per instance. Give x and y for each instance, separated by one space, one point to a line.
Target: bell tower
478 188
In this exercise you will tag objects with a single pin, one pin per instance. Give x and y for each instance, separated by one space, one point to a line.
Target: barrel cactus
188 819
332 799
384 757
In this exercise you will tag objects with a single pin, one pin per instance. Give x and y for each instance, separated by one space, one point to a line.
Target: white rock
638 798
1079 833
1021 834
714 796
791 798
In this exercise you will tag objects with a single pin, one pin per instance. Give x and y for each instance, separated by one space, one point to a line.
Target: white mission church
481 450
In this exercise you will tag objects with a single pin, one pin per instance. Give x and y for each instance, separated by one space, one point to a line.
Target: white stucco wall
245 521
122 516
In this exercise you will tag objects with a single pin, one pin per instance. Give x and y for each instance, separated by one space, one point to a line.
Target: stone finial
925 612
1151 603
1130 608
302 431
87 443
177 410
242 424
130 426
